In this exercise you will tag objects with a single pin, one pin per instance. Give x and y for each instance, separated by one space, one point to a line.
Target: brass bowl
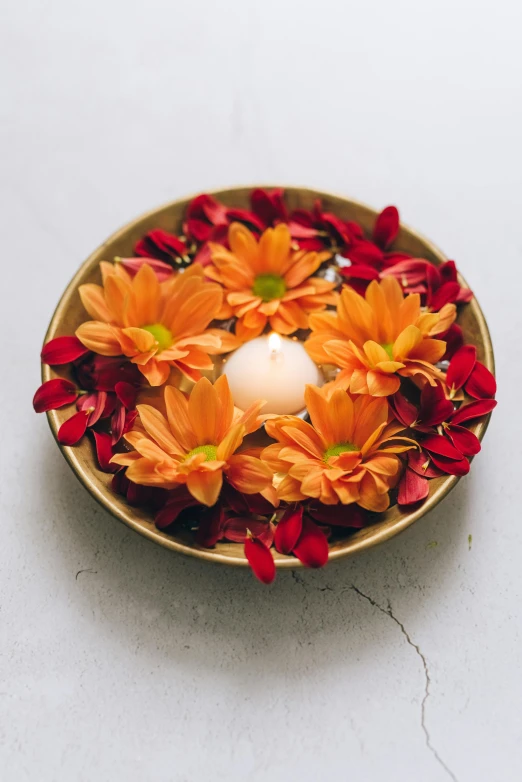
70 313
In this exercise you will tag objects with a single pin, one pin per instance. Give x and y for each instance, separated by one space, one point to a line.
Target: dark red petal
161 245
110 405
436 444
258 505
353 230
464 440
129 421
260 560
448 292
72 430
404 410
481 383
412 488
338 515
179 500
118 423
312 546
149 496
127 394
421 463
288 530
215 211
473 410
211 524
63 350
245 216
120 483
198 230
434 407
386 227
268 206
454 340
451 466
233 499
235 529
104 451
448 271
53 394
461 366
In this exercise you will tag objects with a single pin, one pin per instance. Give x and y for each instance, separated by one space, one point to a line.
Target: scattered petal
288 530
312 546
63 350
260 560
53 394
72 430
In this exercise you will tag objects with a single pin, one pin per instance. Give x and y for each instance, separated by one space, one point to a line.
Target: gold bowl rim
356 542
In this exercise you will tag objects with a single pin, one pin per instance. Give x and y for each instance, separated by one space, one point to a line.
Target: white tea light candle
273 368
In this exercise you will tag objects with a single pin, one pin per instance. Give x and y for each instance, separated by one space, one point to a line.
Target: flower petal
260 560
288 530
63 350
104 454
312 546
473 410
386 227
54 393
412 488
205 485
72 430
481 384
460 367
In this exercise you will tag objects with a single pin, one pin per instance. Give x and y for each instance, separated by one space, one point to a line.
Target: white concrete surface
122 661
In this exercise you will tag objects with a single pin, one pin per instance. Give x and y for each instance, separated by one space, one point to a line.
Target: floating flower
268 282
380 338
158 325
346 455
196 443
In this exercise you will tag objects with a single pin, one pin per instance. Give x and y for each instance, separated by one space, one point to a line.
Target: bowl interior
70 313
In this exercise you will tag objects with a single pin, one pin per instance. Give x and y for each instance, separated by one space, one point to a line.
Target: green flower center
269 286
161 334
337 450
388 347
210 452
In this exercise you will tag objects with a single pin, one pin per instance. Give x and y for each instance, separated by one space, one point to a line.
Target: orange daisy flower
266 281
195 444
379 338
158 325
346 455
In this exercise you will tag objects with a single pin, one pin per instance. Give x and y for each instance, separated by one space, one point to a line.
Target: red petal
129 421
72 430
179 500
150 496
104 451
260 560
247 217
312 546
288 530
408 272
268 206
338 515
473 410
120 483
161 245
210 528
437 444
364 252
421 463
54 393
466 442
461 366
448 292
386 227
404 410
235 529
434 407
448 271
412 488
127 394
99 407
215 211
481 383
451 466
63 350
360 272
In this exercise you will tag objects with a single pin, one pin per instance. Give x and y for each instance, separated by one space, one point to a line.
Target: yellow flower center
388 347
161 334
269 286
337 450
210 452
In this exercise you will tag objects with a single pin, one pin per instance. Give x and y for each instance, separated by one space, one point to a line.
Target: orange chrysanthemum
196 443
346 455
380 338
266 281
158 325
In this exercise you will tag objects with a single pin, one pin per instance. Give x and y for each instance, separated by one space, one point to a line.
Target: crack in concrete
389 612
86 570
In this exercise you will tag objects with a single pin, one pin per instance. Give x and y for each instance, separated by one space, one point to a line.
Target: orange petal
375 353
93 299
369 413
274 249
176 406
302 269
205 485
407 340
156 372
139 340
381 383
100 338
146 293
203 411
156 426
248 474
231 442
409 311
430 350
